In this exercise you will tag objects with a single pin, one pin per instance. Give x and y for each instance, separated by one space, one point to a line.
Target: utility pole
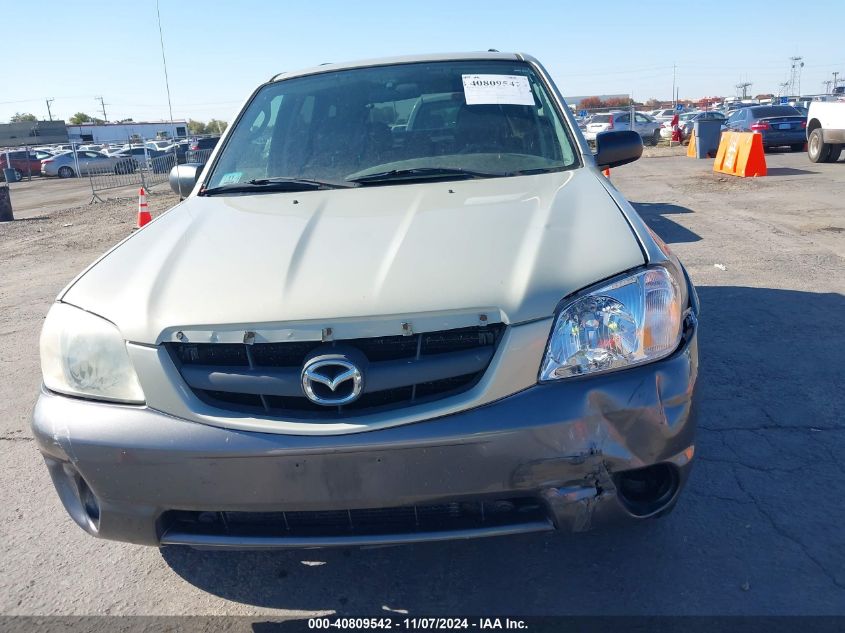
49 114
835 80
826 85
103 108
795 73
744 87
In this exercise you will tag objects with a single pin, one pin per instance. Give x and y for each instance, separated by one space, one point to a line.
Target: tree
591 103
21 117
196 127
617 102
80 117
215 126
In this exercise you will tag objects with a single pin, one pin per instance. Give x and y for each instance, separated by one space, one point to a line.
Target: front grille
456 516
263 378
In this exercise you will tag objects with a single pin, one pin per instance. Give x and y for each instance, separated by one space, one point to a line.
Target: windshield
490 117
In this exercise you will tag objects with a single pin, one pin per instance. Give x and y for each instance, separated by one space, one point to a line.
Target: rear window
600 118
767 111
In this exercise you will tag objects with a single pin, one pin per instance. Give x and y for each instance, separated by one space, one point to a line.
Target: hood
513 245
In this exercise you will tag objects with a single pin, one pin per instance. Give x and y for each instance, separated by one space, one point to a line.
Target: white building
123 132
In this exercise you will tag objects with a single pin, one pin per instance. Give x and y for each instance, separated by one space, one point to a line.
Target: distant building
123 132
32 133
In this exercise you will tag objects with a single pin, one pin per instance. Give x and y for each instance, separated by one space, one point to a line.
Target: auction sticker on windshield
497 89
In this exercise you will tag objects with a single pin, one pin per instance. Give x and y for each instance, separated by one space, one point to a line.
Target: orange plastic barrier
741 154
691 146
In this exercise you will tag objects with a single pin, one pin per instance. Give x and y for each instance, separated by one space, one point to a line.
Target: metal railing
147 169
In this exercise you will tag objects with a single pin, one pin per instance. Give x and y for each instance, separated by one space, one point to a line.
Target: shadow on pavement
654 214
788 171
756 531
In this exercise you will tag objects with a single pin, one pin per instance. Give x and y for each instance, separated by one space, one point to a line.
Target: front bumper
122 470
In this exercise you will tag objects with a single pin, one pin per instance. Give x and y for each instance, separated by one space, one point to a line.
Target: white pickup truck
825 131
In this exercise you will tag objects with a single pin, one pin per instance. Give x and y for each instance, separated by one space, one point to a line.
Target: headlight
628 322
84 355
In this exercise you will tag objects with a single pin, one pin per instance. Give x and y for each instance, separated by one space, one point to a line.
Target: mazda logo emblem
332 381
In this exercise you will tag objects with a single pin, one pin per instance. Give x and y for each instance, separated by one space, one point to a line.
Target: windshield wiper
262 185
421 173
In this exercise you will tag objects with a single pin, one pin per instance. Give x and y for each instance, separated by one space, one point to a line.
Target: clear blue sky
218 51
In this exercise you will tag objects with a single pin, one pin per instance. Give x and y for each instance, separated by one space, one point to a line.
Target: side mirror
618 148
184 177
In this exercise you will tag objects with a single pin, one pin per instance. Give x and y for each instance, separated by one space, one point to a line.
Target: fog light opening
89 503
649 490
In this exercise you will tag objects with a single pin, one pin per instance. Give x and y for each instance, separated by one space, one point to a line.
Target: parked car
346 335
158 145
647 127
665 114
778 125
825 131
65 165
24 163
686 122
141 155
200 149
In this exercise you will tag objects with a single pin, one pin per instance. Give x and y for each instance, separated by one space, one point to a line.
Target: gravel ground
758 531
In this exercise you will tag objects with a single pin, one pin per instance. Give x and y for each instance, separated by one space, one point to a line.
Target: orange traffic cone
143 212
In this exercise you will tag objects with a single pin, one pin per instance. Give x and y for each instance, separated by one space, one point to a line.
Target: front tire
66 172
817 150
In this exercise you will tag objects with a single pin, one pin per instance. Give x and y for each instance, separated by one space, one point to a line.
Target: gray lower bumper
561 443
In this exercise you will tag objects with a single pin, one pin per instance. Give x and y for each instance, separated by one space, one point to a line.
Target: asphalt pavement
757 531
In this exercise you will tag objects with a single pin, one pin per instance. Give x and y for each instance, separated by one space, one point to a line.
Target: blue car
779 125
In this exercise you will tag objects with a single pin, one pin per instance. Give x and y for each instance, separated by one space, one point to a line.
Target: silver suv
399 303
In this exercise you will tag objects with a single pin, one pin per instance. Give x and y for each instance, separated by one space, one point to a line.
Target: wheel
66 172
817 150
655 139
18 175
797 147
835 151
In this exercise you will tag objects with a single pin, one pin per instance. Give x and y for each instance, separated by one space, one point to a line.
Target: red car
22 163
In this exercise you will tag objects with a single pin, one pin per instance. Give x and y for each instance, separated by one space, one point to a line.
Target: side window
641 119
623 118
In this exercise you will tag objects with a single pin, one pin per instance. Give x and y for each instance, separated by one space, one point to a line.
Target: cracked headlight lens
628 322
84 355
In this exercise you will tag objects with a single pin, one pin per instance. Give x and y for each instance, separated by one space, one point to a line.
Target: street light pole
49 114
